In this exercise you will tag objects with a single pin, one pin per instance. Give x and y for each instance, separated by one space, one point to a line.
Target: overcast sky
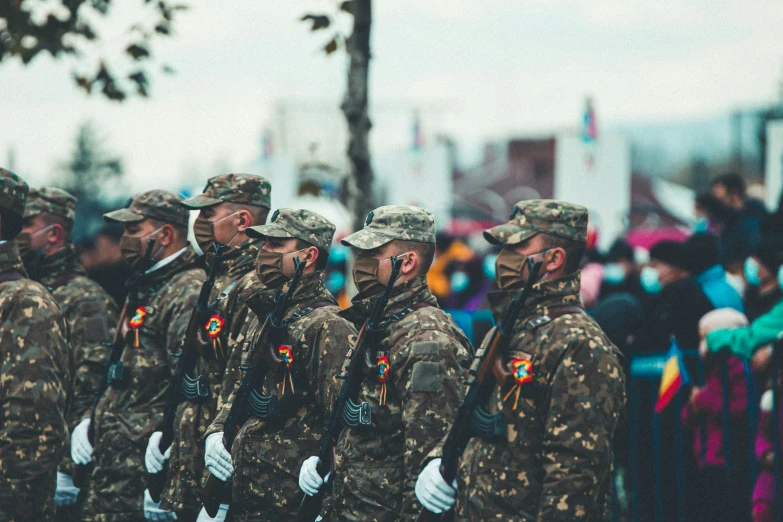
486 68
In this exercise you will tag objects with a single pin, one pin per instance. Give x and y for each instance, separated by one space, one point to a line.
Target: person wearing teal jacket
744 341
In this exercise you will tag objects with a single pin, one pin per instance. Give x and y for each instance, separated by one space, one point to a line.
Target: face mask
365 276
133 250
614 273
24 242
701 225
508 268
204 232
459 282
269 268
649 280
752 272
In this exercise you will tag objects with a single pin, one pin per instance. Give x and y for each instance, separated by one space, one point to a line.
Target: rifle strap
222 295
398 316
532 324
13 275
310 309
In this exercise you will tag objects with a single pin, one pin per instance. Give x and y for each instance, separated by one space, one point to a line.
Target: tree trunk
354 106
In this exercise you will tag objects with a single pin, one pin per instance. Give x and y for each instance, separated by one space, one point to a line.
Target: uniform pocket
374 489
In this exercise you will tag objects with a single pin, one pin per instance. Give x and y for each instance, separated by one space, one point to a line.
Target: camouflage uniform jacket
268 453
187 473
91 316
377 465
128 415
34 368
556 461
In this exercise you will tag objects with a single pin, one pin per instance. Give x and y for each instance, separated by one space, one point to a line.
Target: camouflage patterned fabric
34 368
244 189
91 316
549 216
385 224
556 463
161 205
377 465
187 473
127 416
267 455
13 192
302 224
51 200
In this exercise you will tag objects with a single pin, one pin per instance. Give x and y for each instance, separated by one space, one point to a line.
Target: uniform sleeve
744 341
587 395
429 375
92 324
333 340
34 369
182 309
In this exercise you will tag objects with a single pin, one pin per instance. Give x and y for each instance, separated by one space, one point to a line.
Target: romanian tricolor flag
674 377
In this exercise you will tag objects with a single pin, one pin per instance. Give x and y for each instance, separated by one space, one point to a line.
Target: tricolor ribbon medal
213 327
383 376
135 323
287 357
522 370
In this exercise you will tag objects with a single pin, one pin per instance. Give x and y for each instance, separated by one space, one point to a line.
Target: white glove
217 458
309 479
81 449
154 459
432 491
766 401
220 517
66 492
153 512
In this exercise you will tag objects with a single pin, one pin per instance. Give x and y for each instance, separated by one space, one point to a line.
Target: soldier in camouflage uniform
268 450
413 402
34 369
229 205
131 410
48 252
555 460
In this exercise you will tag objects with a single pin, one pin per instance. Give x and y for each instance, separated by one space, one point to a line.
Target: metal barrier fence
662 467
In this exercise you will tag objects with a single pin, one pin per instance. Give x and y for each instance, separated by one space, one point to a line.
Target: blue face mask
649 280
489 266
614 273
701 225
459 282
752 272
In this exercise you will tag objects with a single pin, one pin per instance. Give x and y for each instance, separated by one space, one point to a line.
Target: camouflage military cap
301 224
161 205
13 192
547 216
385 224
52 201
245 189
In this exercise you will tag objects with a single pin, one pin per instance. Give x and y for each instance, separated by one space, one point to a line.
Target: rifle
115 370
215 490
181 380
488 366
369 335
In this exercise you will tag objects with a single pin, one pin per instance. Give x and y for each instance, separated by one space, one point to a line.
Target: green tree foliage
90 168
70 28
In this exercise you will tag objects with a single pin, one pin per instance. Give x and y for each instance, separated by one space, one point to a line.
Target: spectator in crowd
720 493
675 302
703 253
102 258
620 272
764 491
741 232
711 214
761 274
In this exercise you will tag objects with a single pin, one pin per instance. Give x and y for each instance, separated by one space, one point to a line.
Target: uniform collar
553 293
59 264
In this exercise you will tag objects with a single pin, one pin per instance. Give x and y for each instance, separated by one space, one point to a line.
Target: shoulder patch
425 377
91 307
95 329
425 348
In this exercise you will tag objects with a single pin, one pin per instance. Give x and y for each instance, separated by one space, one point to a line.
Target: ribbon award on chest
135 323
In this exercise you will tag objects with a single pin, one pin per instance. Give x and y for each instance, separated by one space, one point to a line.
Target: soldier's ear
245 220
312 256
167 235
410 261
